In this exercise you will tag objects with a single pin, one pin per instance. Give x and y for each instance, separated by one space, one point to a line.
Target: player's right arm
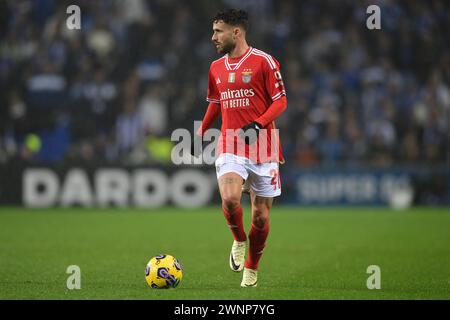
213 111
211 115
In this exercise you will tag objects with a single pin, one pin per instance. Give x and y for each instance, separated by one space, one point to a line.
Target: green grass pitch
310 254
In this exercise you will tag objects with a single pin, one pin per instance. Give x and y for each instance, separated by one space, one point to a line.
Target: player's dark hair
233 17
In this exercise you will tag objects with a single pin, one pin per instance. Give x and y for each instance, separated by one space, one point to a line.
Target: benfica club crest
246 75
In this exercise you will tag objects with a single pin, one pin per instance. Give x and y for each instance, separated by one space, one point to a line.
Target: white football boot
237 256
249 278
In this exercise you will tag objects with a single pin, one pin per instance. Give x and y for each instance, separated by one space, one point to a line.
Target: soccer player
246 88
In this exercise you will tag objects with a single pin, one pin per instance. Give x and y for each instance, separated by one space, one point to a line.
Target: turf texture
311 253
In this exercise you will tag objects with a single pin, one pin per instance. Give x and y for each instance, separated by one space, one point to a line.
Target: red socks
234 220
257 237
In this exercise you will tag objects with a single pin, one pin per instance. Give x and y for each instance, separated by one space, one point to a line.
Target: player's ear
236 32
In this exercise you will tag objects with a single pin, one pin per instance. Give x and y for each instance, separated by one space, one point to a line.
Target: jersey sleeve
213 95
273 79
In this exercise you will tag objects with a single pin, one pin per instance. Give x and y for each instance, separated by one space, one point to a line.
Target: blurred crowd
115 90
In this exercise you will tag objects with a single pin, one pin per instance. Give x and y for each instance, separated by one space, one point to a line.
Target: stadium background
87 115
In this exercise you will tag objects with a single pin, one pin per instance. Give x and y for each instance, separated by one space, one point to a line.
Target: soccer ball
163 271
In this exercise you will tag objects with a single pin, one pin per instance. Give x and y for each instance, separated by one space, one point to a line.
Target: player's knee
230 202
260 218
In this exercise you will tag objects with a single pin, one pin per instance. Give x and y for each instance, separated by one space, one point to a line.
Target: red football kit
248 88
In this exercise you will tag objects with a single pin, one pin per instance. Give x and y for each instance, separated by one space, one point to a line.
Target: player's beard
226 47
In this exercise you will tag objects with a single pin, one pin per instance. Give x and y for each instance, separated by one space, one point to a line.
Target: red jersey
245 87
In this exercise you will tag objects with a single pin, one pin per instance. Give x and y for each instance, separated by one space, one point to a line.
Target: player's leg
230 186
265 185
257 237
246 187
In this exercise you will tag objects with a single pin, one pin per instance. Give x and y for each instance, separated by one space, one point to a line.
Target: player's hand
197 145
250 132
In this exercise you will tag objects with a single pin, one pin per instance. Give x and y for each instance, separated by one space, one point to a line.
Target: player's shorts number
276 181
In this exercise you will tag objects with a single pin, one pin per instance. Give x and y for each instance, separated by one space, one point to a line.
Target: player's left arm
274 86
276 108
274 111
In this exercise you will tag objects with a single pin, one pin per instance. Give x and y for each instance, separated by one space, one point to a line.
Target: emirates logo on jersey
246 75
236 98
